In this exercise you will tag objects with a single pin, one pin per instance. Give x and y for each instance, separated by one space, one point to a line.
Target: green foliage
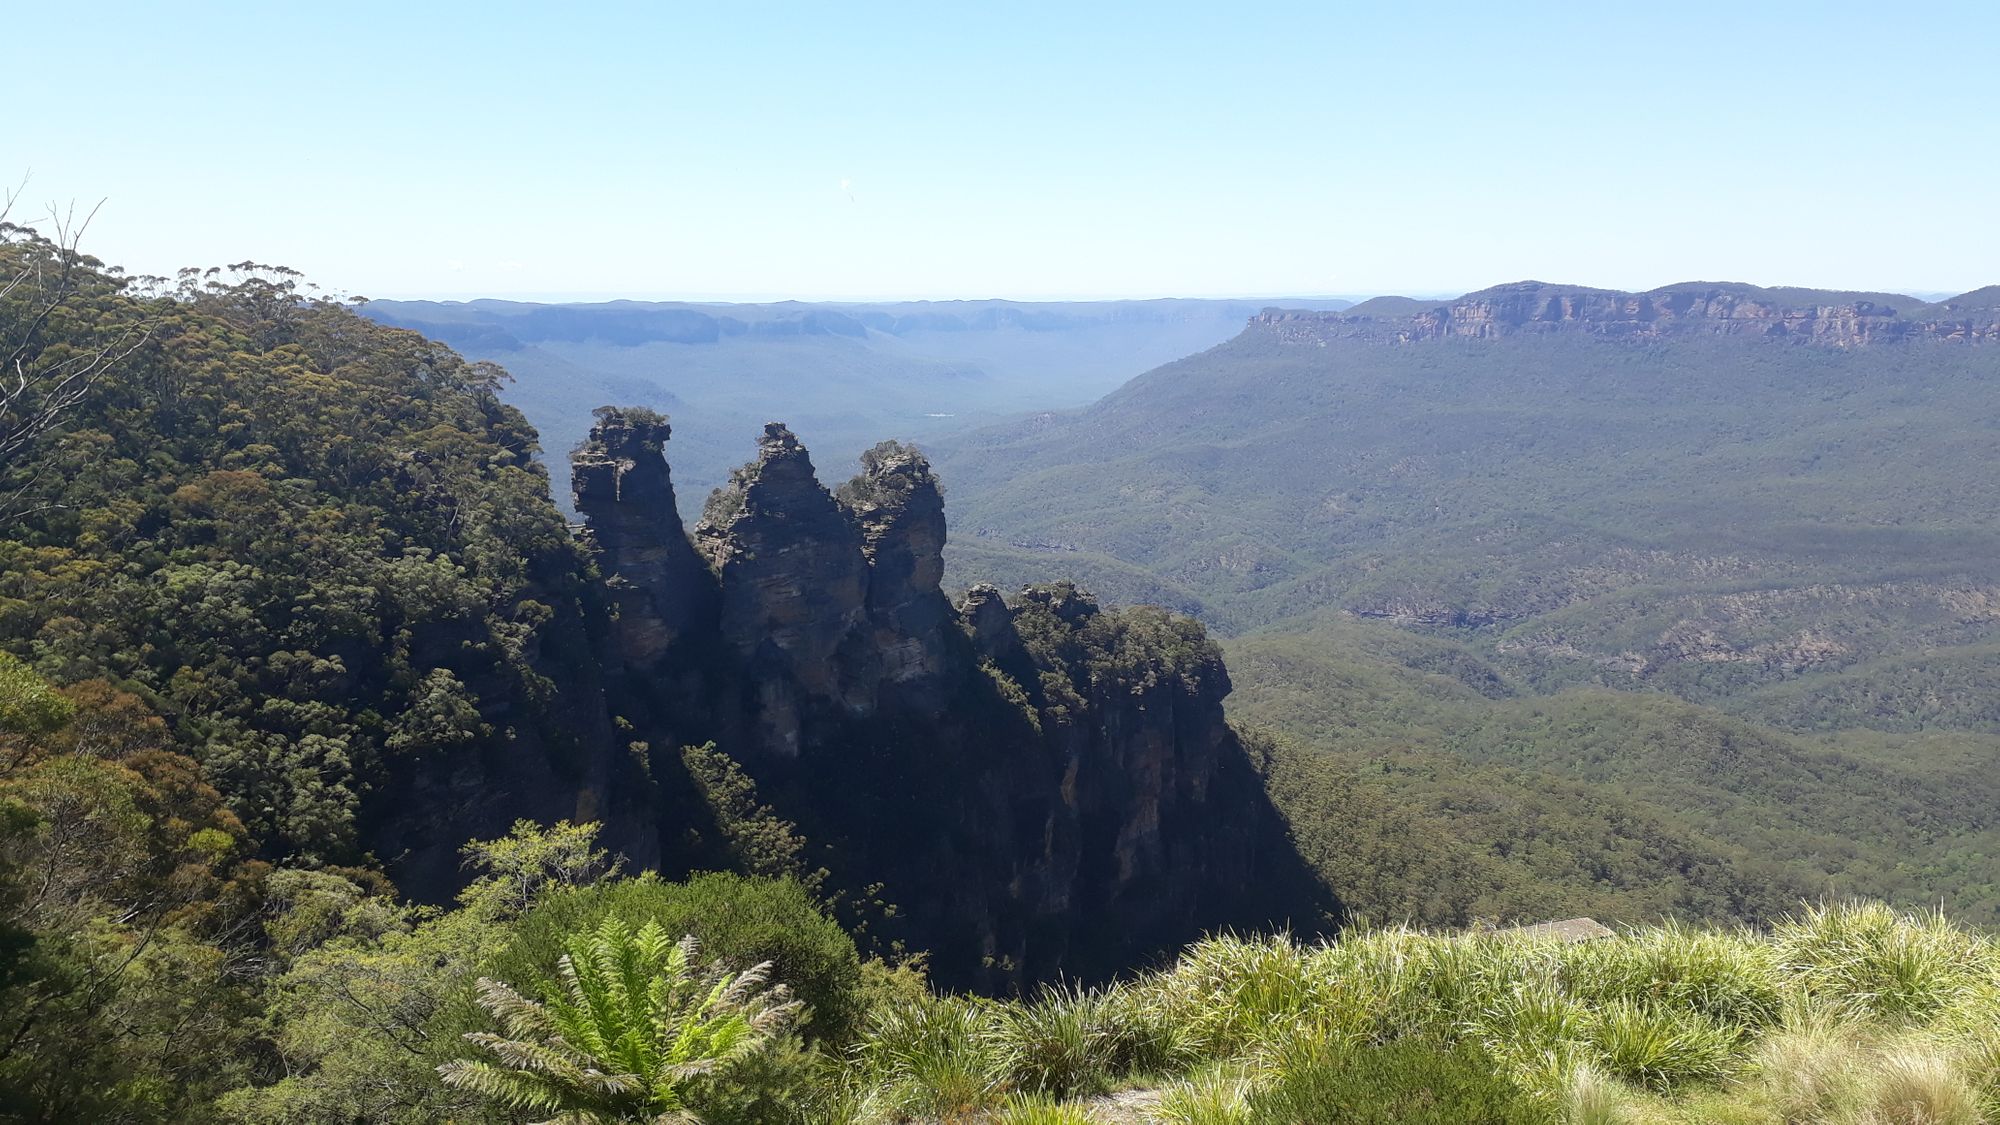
1040 1110
1891 965
1061 1045
373 997
122 987
1219 1097
936 1058
28 705
322 546
1661 1045
756 840
1410 1081
524 866
738 919
637 1021
1616 805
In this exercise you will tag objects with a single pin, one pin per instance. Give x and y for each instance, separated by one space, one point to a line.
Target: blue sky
849 150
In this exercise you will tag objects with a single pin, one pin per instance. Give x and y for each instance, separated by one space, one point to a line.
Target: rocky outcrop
1044 788
794 586
623 488
900 509
1532 307
1130 702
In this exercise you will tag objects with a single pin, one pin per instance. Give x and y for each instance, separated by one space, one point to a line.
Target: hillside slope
1432 787
1591 487
316 558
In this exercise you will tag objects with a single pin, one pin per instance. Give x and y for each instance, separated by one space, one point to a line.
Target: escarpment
1691 308
1042 788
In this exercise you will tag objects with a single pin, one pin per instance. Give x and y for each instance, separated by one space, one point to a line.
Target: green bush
1662 1047
938 1057
1892 965
743 921
1411 1082
1060 1045
637 1022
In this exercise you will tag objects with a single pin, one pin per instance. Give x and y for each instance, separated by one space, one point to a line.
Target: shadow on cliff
1041 787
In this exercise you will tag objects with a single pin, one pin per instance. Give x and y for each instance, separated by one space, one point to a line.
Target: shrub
1060 1045
937 1057
1410 1081
1661 1046
741 920
635 1023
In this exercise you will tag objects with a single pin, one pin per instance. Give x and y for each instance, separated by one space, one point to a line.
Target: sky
843 150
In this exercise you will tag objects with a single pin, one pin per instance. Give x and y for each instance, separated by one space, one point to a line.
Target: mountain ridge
1838 317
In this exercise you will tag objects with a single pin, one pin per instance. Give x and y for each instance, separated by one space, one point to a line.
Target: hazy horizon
867 153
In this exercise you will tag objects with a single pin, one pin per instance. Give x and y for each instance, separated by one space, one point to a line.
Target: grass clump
1060 1045
1034 1109
1848 1014
1218 1096
1660 1046
1915 1085
1895 966
937 1058
1409 1081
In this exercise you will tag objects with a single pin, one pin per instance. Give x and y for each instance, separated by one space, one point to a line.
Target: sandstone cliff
1691 308
1042 788
620 479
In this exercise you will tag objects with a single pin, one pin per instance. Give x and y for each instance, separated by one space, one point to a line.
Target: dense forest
316 711
341 779
1675 603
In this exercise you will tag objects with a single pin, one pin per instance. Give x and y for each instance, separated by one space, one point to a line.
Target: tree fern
632 1021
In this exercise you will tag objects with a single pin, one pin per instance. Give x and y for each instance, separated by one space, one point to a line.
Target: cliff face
1842 320
1043 788
662 590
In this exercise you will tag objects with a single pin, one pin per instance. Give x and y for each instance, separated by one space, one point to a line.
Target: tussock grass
1894 966
1913 1085
1061 1045
1847 1014
1221 1096
937 1058
1040 1110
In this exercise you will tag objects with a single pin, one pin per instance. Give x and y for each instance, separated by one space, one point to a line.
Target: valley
843 376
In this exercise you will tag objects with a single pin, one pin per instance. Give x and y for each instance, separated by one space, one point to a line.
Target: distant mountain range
1352 458
1696 307
1440 530
1782 502
843 375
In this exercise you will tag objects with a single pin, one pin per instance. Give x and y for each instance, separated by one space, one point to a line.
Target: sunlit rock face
625 491
1687 309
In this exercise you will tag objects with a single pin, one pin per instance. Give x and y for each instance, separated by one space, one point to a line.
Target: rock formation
1044 788
623 488
900 509
1694 308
